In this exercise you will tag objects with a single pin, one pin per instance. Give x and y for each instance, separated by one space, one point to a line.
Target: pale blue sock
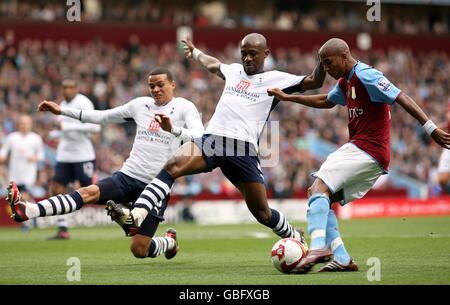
334 240
317 215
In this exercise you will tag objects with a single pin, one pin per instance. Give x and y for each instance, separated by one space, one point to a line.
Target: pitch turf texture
411 251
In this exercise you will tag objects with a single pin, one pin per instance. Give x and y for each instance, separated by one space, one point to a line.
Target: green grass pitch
411 251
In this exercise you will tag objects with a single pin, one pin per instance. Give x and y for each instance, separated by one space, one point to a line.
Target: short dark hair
161 70
69 80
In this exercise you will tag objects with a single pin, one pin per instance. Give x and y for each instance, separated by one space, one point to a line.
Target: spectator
31 70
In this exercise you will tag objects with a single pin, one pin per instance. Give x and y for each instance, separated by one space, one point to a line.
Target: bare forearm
315 79
212 64
314 101
319 75
412 108
439 136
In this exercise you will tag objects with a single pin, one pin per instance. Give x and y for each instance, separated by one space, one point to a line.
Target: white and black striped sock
153 197
60 204
281 226
159 245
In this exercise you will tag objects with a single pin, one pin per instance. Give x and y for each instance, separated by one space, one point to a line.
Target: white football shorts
349 169
444 162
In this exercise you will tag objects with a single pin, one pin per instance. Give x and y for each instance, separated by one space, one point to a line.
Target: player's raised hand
49 106
188 47
277 93
164 121
441 137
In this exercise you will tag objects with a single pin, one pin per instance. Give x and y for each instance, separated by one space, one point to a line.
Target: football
287 253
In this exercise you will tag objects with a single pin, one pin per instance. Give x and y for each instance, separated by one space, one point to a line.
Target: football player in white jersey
231 138
25 149
163 123
75 154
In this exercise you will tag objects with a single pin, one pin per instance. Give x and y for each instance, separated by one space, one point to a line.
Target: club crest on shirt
351 93
154 126
243 85
384 84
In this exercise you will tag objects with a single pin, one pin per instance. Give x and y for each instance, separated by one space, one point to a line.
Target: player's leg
55 205
60 204
333 236
187 160
143 244
341 259
348 167
317 213
123 188
254 194
242 168
347 174
338 168
317 218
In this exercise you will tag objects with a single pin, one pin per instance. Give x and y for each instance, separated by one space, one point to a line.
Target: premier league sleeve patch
379 88
384 85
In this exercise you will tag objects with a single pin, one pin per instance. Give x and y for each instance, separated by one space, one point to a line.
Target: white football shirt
74 143
152 145
21 148
245 106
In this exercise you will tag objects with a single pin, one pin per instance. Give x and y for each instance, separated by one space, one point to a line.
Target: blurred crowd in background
311 15
32 70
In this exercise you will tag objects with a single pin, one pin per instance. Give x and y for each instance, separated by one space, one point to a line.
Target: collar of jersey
254 75
352 71
164 104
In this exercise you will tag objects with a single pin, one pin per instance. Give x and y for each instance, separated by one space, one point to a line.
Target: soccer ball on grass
287 253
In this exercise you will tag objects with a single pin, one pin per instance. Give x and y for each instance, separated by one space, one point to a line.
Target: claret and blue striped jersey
367 93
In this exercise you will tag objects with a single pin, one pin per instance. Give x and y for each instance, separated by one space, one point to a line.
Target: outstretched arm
438 135
212 64
314 101
115 115
79 126
315 79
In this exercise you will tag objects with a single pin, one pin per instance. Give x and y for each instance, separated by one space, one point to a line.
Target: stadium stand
111 73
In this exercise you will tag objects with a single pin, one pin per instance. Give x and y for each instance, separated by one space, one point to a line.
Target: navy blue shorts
82 172
122 188
237 159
